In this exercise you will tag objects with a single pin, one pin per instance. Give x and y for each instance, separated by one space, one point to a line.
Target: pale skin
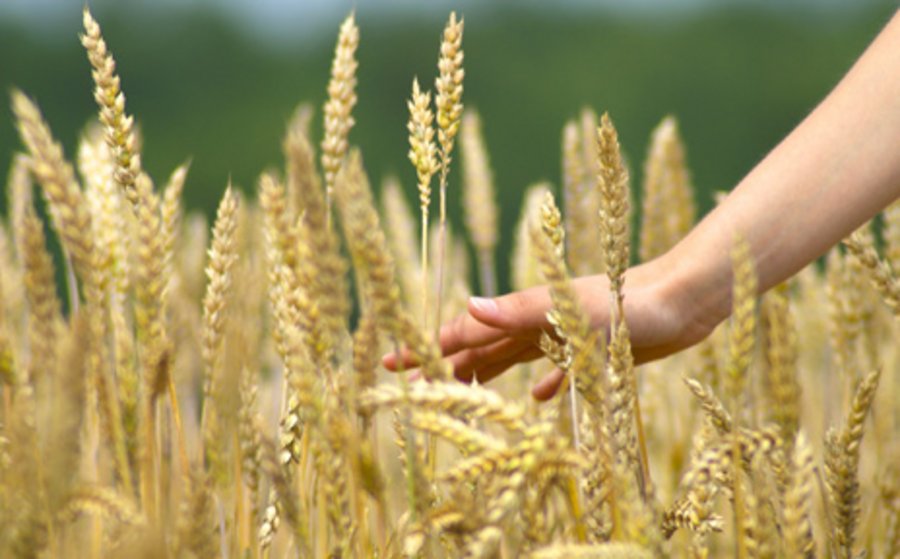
837 169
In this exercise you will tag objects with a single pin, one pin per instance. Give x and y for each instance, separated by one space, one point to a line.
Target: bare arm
834 172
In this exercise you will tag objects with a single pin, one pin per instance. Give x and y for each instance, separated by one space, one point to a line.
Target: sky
278 21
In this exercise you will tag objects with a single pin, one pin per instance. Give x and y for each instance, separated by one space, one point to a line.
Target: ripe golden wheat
219 402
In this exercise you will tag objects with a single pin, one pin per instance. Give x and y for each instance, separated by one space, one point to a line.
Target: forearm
834 172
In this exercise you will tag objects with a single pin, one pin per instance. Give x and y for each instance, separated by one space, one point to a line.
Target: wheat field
217 390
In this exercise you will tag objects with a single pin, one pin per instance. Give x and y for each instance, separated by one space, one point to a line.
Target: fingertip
401 361
389 361
483 308
546 387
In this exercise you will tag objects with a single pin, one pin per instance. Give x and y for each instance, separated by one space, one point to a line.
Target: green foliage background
738 81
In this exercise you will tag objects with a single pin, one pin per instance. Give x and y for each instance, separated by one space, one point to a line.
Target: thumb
521 310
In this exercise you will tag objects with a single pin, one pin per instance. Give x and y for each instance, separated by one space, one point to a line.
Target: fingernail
484 304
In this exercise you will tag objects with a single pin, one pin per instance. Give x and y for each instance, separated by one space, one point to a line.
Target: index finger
464 331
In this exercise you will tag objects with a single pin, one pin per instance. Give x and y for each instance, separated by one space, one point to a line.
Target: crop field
217 390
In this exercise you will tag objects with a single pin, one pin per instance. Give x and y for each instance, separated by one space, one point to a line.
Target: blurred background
215 81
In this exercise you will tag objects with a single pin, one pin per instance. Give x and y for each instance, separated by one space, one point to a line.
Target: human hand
495 334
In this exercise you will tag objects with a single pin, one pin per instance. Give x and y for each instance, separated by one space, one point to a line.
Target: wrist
696 290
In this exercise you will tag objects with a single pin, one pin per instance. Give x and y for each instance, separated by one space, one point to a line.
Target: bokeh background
215 81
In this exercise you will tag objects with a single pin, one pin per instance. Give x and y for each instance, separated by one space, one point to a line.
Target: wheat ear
57 179
711 405
881 274
197 534
299 156
798 534
171 212
329 283
96 166
109 97
743 324
222 256
479 199
580 201
294 269
844 315
598 551
741 342
466 438
525 267
891 234
842 464
104 502
448 102
66 201
613 190
375 267
568 317
620 369
613 186
422 151
61 441
891 499
151 279
401 230
44 314
781 384
582 357
339 107
453 398
668 200
171 217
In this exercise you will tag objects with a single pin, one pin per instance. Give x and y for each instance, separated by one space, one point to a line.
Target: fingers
546 387
487 363
486 373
